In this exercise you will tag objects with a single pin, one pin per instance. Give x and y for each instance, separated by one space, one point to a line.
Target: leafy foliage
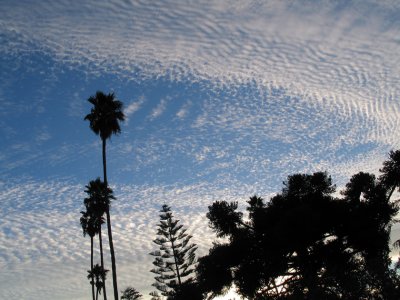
130 293
105 115
175 260
189 289
99 197
98 275
390 177
305 243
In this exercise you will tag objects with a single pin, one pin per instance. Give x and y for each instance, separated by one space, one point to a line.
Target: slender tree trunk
110 239
91 266
102 265
104 162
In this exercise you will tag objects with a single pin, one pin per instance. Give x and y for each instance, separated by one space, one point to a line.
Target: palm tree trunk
91 265
102 265
104 161
110 239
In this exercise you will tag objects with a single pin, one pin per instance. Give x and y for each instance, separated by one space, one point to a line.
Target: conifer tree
175 260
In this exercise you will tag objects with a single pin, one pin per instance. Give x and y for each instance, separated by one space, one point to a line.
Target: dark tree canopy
189 289
98 275
105 115
130 293
90 223
99 197
305 243
175 260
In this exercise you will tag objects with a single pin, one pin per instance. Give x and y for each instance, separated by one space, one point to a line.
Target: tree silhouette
99 274
390 177
368 230
104 121
130 293
89 227
175 261
305 243
96 203
189 289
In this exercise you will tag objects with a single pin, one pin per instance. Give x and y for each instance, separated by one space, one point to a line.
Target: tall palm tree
89 228
99 198
104 120
98 274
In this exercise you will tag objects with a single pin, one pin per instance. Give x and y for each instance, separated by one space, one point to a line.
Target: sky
223 100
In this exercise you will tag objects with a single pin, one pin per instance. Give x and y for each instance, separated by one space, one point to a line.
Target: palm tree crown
105 115
91 222
99 197
98 275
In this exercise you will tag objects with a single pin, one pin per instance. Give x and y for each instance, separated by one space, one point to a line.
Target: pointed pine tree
175 260
104 120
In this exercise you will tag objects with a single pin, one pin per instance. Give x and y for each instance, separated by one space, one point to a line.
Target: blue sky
224 99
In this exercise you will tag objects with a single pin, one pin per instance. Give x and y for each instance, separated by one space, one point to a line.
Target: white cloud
184 110
43 136
41 242
333 57
133 107
159 109
285 87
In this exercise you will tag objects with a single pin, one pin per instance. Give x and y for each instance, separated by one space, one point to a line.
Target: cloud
336 58
275 88
159 109
133 107
269 42
43 136
184 110
41 240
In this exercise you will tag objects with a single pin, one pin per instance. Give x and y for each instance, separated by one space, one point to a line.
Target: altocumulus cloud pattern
223 99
